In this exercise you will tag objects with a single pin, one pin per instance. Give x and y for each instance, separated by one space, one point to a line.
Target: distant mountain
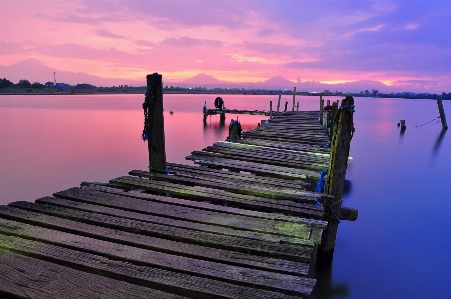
202 80
35 71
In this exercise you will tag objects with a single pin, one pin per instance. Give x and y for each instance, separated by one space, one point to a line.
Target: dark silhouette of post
155 129
335 181
294 97
321 110
278 103
441 110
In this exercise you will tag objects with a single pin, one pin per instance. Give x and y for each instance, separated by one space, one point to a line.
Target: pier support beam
294 97
155 124
341 140
278 104
321 110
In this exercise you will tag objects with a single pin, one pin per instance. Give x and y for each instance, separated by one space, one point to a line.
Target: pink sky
394 42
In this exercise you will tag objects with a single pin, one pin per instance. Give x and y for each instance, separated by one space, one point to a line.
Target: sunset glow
394 42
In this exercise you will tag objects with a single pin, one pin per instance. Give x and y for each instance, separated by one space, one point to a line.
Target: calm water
398 248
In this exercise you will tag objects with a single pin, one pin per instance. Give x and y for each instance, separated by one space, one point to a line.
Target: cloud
188 42
107 33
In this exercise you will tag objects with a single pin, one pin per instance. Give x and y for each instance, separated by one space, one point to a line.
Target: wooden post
155 128
270 109
332 117
335 180
402 123
297 106
442 114
294 97
286 105
278 103
321 110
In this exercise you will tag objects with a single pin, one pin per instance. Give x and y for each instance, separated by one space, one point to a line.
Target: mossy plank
148 258
205 205
142 274
180 216
245 201
243 245
157 244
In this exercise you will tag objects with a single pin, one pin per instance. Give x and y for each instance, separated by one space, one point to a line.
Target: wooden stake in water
297 106
294 97
270 109
156 144
278 103
441 110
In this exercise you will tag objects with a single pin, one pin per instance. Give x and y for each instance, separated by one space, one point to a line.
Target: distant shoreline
142 91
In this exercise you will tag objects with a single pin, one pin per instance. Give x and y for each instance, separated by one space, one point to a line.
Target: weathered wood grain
31 278
152 243
243 245
206 206
239 200
157 278
185 216
148 258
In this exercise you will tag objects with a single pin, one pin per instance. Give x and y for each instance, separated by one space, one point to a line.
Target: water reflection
438 142
324 289
402 131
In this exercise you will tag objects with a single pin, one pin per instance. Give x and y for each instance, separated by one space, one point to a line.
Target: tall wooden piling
294 97
321 109
331 117
270 109
441 110
286 105
278 103
342 134
155 125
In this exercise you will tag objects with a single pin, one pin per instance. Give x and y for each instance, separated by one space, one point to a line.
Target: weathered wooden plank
249 178
161 279
258 168
268 152
296 195
152 243
31 278
259 158
238 200
244 245
206 206
187 217
150 259
284 145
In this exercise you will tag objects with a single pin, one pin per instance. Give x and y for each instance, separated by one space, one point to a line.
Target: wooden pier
243 224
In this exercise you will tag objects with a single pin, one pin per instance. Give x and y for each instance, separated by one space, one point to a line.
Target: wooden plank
248 178
31 278
70 246
258 168
157 278
244 245
234 225
204 181
206 206
224 197
152 243
274 160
